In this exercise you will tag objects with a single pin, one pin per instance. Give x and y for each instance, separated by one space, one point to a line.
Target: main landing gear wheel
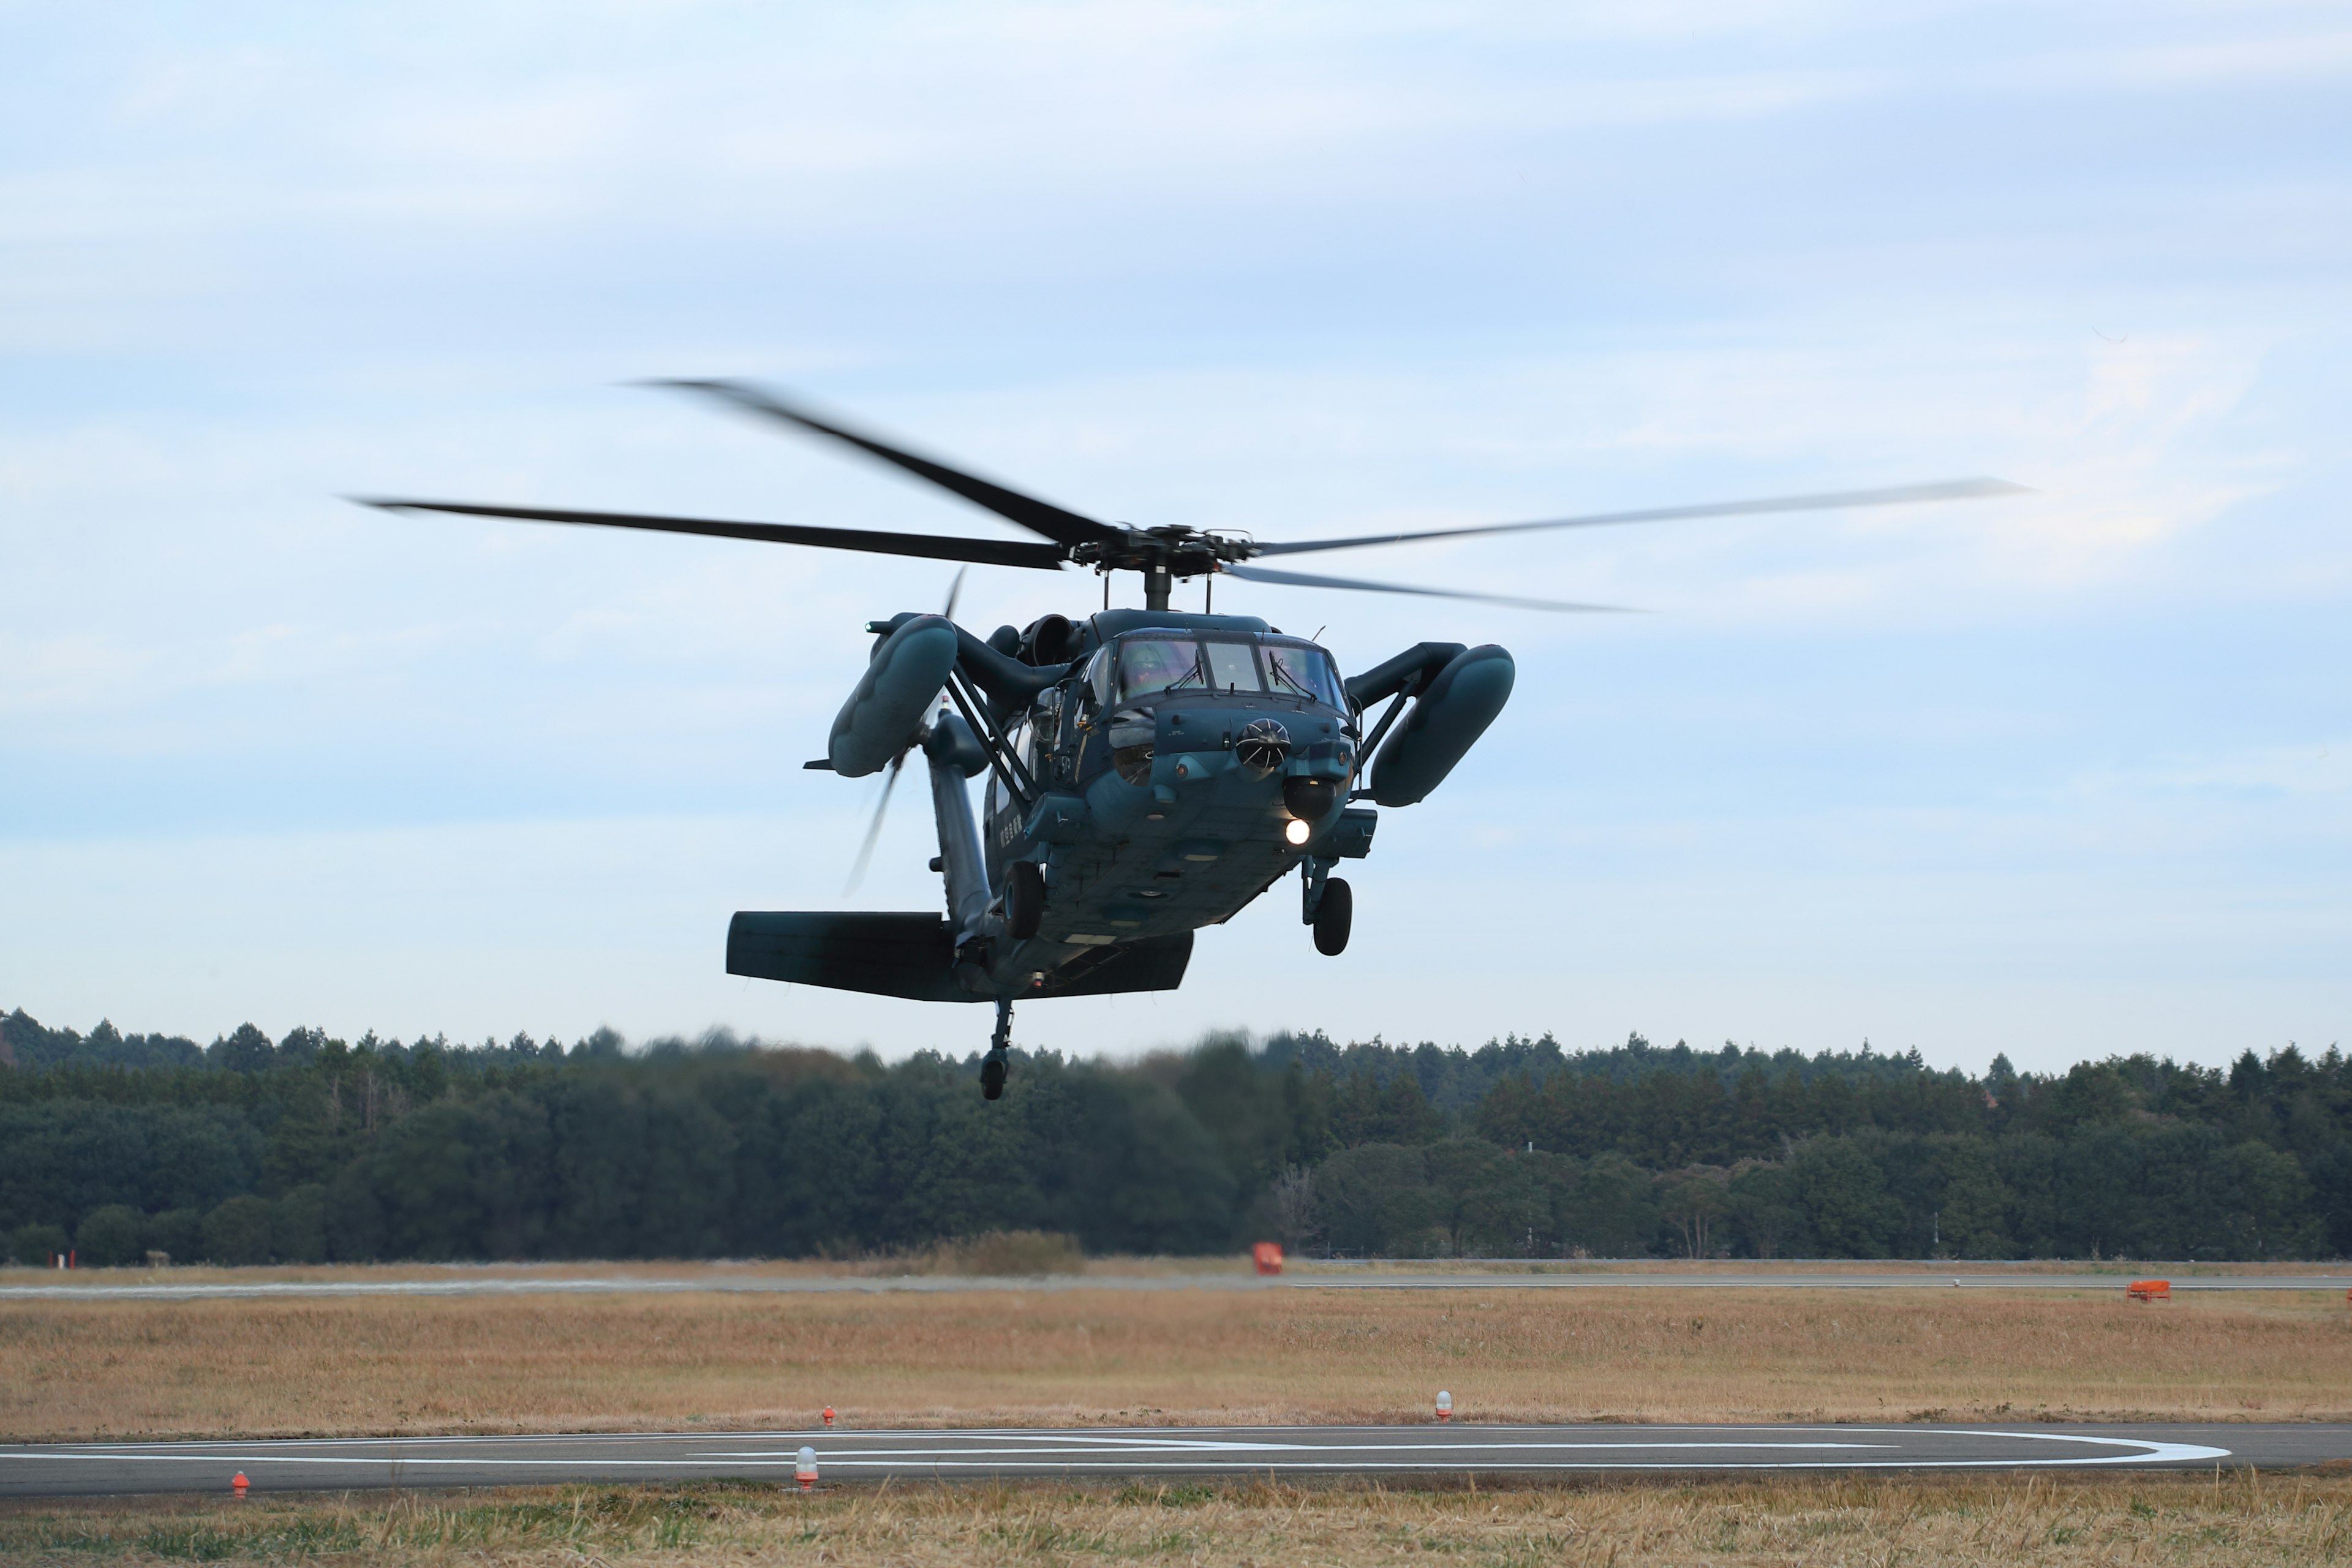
1024 900
999 1062
1333 918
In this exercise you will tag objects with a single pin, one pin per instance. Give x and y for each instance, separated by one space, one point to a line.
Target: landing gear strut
997 1063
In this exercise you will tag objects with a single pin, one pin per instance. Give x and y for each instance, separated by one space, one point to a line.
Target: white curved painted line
1077 1451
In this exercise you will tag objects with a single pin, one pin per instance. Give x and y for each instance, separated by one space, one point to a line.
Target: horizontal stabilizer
911 955
1155 963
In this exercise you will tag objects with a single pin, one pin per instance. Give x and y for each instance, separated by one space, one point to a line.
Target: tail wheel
1024 900
1333 918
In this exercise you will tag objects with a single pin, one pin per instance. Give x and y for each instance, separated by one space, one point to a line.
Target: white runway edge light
804 1469
1297 830
1445 1406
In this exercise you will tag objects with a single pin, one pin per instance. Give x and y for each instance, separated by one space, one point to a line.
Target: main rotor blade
1056 523
1900 495
931 546
1305 580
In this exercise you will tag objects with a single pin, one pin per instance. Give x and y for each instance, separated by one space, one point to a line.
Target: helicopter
1151 772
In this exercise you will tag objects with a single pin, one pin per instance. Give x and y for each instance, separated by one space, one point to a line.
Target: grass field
123 1369
978 1257
2152 1519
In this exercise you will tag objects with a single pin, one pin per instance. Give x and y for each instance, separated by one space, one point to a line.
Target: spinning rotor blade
1056 523
874 829
1901 495
1307 580
931 546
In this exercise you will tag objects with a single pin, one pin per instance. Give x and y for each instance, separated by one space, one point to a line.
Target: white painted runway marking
1147 1453
1191 1449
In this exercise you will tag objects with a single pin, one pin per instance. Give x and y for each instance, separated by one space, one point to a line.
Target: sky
2057 776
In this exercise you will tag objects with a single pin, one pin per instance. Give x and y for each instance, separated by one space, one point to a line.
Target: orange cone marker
828 1416
237 1483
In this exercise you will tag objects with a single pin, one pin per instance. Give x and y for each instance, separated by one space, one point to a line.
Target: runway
1892 1280
465 1284
1144 1453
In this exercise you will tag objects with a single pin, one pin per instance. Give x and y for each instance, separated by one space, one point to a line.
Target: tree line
311 1148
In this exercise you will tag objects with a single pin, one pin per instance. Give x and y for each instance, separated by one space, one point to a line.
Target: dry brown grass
412 1364
2197 1523
984 1254
1013 1252
1007 1254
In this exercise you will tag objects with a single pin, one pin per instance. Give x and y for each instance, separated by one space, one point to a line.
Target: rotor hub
1172 549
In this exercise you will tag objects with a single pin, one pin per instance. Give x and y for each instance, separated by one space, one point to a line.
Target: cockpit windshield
1148 665
1304 671
1156 662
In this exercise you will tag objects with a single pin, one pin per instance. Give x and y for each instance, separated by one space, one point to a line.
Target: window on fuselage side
1033 746
1303 672
1016 740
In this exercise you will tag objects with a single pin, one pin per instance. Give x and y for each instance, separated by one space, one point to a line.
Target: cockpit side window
1303 672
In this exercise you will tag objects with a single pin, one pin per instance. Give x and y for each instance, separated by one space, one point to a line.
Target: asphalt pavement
63 1470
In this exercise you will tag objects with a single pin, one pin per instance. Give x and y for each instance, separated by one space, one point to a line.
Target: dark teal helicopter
1150 772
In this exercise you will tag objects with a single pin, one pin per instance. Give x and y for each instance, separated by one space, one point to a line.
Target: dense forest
311 1148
